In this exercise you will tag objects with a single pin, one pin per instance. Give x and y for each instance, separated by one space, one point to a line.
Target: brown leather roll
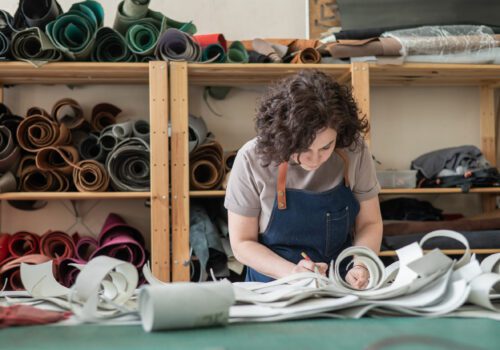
62 159
25 162
90 176
104 114
308 55
37 131
37 111
57 245
36 180
69 112
229 160
207 167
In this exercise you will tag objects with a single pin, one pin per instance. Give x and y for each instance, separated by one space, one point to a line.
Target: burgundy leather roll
121 241
69 112
85 247
36 132
104 114
61 159
24 243
57 245
206 166
67 274
10 270
4 247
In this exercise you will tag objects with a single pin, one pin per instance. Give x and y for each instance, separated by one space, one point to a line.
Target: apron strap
346 165
282 170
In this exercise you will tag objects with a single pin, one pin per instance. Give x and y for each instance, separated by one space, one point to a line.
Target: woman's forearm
262 259
370 235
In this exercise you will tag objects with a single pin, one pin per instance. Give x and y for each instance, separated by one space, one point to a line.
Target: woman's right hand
308 266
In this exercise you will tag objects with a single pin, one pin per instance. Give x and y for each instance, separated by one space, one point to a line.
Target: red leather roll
57 245
208 39
11 272
4 246
24 243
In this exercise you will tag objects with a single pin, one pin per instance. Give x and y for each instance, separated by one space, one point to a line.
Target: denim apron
317 223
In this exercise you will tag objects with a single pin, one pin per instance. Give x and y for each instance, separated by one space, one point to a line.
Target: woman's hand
358 276
308 266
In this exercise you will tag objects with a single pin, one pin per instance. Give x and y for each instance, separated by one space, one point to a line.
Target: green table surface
443 333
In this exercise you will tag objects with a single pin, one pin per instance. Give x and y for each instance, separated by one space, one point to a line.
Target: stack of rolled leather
116 239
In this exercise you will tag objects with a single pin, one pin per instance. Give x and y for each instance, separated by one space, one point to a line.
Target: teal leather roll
32 45
110 46
74 31
213 53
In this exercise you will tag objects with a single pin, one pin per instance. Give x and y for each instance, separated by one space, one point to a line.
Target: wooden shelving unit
361 75
154 74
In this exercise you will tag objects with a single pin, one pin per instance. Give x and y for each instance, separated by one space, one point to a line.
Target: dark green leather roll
237 53
111 46
214 53
74 31
32 45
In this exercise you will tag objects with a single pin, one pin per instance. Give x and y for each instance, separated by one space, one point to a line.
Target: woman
306 183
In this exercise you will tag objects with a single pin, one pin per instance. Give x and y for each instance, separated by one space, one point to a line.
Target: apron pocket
337 230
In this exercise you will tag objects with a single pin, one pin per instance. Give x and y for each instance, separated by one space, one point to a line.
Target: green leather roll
32 45
143 36
110 46
237 53
74 31
213 53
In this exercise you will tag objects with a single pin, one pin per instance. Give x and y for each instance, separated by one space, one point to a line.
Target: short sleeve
366 185
242 194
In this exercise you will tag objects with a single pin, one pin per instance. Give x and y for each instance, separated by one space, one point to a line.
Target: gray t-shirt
251 189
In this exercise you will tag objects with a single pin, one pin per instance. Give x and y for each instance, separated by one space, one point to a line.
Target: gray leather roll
128 165
175 45
108 139
10 154
33 45
8 182
122 130
197 132
6 23
10 121
90 148
4 46
36 13
140 129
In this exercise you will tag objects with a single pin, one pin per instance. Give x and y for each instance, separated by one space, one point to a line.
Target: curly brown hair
296 108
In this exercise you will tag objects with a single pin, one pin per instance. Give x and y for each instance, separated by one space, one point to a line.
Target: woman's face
320 150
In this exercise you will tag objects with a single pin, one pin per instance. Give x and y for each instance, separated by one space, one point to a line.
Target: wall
406 122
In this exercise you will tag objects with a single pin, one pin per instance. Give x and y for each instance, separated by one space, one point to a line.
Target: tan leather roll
308 55
90 176
69 112
37 131
62 159
36 180
206 165
104 114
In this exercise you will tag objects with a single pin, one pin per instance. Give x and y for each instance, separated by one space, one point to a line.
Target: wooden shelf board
448 251
74 73
73 195
252 73
221 193
434 74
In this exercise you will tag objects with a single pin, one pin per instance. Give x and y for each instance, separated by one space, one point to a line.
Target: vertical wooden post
488 136
361 90
180 171
158 105
1 94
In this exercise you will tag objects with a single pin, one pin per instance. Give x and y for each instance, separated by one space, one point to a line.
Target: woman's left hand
358 276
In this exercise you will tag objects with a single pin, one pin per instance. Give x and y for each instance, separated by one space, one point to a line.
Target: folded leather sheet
206 166
57 245
24 243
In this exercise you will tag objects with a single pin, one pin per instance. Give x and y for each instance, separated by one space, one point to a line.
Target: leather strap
128 165
10 154
104 114
281 186
69 112
57 245
24 243
110 46
36 13
175 45
36 132
74 32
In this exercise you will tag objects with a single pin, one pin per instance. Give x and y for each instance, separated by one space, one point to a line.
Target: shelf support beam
360 78
158 104
180 171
